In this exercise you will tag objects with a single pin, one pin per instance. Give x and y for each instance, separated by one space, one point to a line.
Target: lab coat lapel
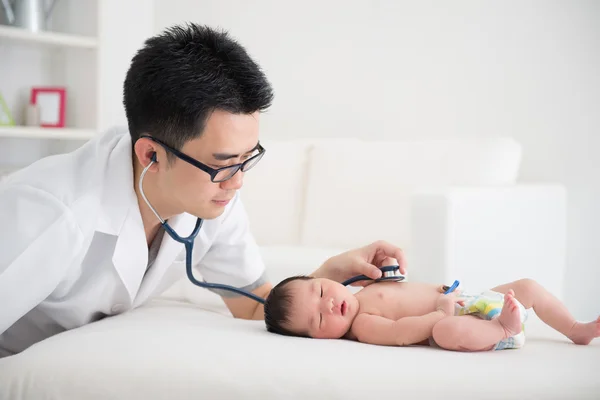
120 216
169 251
131 252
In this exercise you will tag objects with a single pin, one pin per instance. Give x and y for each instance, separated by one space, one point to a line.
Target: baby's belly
395 300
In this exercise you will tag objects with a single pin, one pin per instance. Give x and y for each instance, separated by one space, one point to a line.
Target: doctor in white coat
78 242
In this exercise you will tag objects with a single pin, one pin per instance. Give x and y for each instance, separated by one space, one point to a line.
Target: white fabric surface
484 236
172 350
365 194
273 192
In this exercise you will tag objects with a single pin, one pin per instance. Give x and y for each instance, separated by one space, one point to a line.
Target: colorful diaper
488 305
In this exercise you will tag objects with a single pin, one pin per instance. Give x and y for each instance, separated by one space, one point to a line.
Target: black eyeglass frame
212 171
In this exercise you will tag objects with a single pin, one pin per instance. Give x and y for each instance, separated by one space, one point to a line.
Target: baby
407 313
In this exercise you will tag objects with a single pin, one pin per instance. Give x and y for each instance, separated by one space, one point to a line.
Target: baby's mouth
344 307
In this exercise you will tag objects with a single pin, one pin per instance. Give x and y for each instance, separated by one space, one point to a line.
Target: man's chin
212 213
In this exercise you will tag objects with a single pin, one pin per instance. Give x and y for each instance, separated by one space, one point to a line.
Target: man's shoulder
73 180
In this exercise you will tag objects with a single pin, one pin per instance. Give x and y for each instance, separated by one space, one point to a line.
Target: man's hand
362 261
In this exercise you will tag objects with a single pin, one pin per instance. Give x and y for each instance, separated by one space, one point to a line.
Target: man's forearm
411 330
259 313
247 308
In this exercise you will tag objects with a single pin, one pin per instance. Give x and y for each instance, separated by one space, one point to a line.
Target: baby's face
322 308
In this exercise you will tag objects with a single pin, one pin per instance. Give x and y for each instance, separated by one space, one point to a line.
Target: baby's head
312 307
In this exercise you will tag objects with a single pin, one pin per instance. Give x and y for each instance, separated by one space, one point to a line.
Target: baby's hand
446 303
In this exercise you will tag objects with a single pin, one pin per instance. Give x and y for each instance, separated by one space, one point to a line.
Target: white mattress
175 350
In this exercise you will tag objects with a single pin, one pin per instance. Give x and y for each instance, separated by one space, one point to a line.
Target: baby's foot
584 333
510 316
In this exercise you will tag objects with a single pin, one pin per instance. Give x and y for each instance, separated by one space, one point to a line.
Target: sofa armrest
486 236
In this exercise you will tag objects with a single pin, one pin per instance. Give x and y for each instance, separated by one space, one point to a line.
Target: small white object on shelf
48 38
32 115
30 132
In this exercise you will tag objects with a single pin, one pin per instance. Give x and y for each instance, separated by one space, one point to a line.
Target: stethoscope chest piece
390 273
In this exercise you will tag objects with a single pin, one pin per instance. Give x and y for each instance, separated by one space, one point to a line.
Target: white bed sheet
175 350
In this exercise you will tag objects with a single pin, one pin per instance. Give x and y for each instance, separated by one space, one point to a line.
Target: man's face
227 139
321 308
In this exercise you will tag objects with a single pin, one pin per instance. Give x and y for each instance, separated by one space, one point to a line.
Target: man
79 239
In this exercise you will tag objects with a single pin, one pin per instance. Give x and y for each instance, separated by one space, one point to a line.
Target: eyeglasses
216 175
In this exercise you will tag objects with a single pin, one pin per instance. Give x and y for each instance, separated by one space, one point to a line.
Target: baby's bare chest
396 300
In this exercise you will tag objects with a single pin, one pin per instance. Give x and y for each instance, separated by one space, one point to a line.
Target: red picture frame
51 102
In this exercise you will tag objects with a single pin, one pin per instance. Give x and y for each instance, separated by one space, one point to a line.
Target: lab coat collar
118 197
120 216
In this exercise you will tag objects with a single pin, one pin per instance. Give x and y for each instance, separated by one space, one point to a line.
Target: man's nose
235 182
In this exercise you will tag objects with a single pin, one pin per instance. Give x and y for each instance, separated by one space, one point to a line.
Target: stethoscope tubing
188 242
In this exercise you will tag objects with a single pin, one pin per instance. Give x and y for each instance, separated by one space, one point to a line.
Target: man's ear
145 151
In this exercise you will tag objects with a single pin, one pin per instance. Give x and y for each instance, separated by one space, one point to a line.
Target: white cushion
169 350
486 236
273 192
360 191
284 261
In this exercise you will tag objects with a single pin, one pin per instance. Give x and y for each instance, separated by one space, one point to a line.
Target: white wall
408 69
123 28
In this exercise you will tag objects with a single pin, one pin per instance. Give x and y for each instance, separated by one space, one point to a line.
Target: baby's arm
373 329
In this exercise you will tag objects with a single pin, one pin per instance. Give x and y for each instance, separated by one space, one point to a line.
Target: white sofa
455 207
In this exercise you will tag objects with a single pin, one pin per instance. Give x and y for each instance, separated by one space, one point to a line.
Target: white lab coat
73 247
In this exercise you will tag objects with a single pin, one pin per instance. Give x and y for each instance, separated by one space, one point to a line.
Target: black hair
277 307
183 74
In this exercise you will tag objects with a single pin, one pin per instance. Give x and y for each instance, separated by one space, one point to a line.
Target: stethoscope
389 273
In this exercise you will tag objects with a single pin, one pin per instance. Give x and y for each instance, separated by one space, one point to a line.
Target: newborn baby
407 313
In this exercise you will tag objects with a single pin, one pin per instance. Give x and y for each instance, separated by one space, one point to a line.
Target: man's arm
246 308
373 329
364 260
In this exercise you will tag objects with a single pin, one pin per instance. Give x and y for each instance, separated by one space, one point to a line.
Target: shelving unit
86 48
32 132
64 54
48 38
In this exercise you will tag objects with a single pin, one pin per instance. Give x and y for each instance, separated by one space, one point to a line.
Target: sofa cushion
360 191
273 192
168 350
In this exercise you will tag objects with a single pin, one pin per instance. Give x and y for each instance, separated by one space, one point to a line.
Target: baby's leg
550 310
470 333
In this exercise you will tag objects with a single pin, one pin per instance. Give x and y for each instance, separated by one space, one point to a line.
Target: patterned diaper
487 305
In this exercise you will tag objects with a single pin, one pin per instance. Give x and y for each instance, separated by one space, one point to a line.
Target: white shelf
33 132
48 38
